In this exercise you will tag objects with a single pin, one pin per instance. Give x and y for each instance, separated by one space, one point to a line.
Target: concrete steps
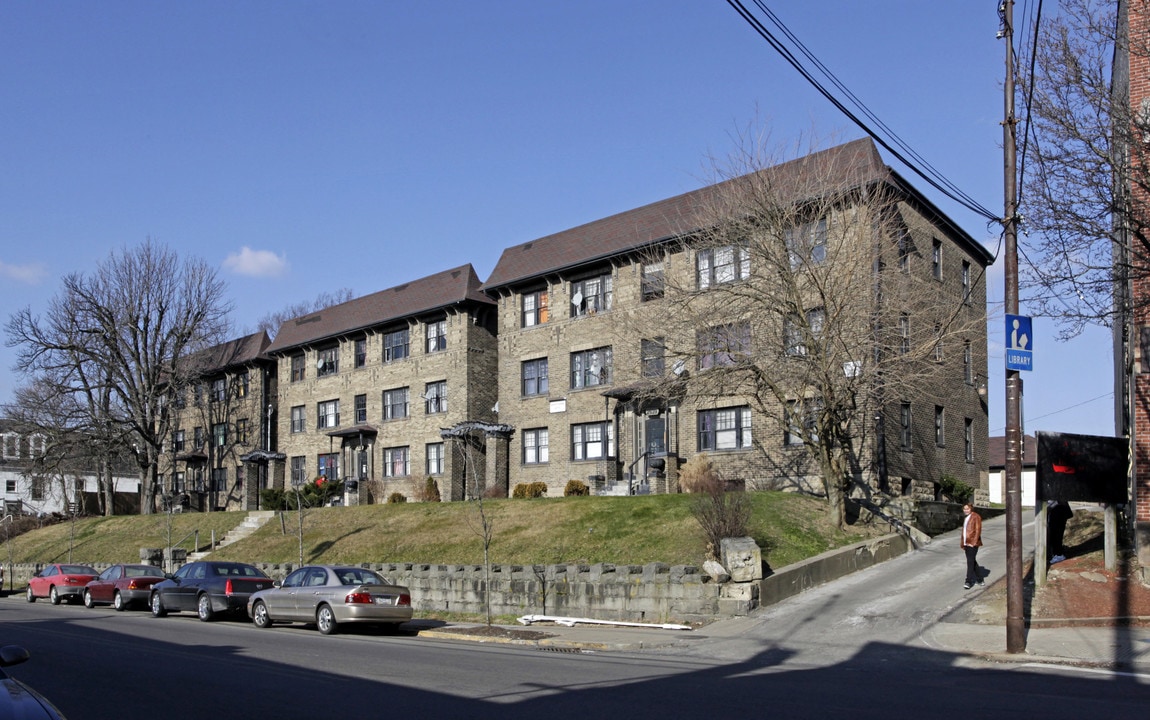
252 522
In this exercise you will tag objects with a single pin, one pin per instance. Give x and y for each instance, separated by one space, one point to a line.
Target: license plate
383 600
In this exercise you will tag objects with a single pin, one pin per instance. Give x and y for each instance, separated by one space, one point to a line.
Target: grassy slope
628 530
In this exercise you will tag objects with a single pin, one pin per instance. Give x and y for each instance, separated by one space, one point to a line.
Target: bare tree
791 288
271 322
1081 135
124 328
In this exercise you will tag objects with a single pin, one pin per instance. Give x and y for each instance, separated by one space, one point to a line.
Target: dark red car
60 582
123 586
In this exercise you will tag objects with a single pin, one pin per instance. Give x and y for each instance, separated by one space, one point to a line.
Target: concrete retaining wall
804 575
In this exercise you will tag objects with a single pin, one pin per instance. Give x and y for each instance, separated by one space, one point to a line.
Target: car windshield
359 576
77 570
143 571
239 571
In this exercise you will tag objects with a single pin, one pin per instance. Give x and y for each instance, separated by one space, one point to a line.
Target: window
298 370
219 480
327 466
11 446
327 362
939 426
327 414
903 333
938 342
395 404
726 429
797 330
360 352
968 439
590 368
904 254
591 296
807 244
219 391
395 462
243 384
395 345
724 345
967 363
904 426
802 421
590 441
652 354
966 282
435 397
242 431
436 336
178 441
9 486
197 438
220 435
198 394
535 451
298 470
178 484
652 282
360 409
198 480
298 424
936 259
37 446
535 308
435 458
721 265
535 377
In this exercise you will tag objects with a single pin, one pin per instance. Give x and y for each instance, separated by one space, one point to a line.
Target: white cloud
256 263
29 274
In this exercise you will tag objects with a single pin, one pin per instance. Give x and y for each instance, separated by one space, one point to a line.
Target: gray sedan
331 595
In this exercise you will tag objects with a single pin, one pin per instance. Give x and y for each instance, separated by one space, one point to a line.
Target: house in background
997 478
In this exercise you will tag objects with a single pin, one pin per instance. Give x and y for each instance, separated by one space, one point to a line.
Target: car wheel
260 615
158 609
53 596
325 620
118 602
88 601
31 596
204 608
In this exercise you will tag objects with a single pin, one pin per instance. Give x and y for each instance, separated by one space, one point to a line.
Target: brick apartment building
392 388
216 423
573 362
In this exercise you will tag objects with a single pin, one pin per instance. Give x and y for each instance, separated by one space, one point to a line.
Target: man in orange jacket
971 542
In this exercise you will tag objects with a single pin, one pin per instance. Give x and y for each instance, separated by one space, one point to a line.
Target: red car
122 586
60 582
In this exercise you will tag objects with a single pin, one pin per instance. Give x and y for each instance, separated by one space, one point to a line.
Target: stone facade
223 416
367 386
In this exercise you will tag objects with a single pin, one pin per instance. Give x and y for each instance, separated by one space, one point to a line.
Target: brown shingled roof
843 167
440 290
233 353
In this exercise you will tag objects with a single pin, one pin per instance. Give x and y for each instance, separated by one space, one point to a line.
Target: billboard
1082 468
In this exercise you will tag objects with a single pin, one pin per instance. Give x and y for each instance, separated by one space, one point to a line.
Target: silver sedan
329 596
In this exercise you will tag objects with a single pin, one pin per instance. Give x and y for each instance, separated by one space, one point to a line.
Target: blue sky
304 146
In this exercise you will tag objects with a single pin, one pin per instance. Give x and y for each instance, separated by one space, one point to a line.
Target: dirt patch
1079 590
500 632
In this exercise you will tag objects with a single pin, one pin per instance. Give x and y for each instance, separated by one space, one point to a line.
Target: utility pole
1015 626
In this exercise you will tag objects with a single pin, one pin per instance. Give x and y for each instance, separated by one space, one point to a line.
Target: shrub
494 492
955 489
429 492
721 513
396 497
530 490
316 493
576 487
698 475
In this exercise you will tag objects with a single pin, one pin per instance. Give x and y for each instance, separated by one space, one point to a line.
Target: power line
888 139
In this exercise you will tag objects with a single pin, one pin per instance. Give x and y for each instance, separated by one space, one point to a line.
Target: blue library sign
1019 343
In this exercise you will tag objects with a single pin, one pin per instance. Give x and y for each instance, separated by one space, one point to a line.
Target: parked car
123 586
60 582
17 700
208 587
329 596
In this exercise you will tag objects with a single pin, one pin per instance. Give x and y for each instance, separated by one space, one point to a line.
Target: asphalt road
859 648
